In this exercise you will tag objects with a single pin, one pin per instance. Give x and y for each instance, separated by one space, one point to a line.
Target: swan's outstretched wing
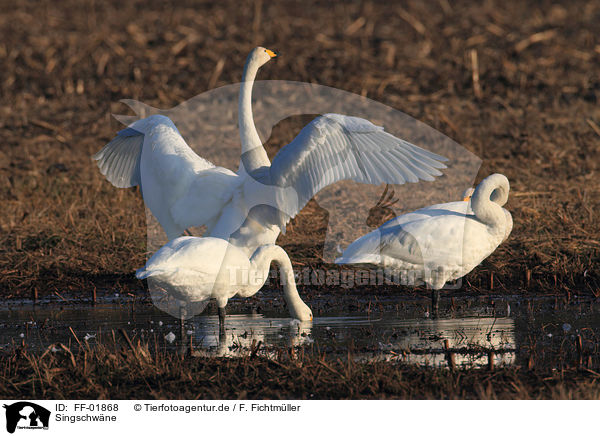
179 187
119 160
336 147
169 156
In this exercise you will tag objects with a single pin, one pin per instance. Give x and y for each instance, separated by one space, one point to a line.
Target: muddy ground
514 82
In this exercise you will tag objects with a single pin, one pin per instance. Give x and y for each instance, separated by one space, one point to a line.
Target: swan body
251 207
441 242
194 269
179 187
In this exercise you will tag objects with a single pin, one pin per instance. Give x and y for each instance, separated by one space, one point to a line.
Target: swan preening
439 243
247 209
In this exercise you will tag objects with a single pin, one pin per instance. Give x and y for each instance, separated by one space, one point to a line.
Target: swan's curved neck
253 153
261 260
487 201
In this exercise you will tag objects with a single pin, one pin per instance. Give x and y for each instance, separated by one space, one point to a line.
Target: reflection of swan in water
423 335
392 339
244 332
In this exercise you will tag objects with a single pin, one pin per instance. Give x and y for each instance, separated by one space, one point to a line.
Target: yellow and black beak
272 53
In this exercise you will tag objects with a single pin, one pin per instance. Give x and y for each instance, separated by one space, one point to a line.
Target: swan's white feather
119 160
249 208
444 241
195 269
179 187
336 147
206 196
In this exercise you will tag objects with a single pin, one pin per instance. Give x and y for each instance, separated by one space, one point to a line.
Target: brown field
532 114
514 82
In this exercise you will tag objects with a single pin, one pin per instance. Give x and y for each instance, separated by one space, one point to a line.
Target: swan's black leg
182 315
222 338
435 302
222 319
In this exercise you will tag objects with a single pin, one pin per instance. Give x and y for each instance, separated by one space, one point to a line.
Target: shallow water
514 329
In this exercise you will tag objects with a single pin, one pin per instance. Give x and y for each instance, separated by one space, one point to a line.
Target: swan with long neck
487 201
439 243
260 261
194 270
183 190
253 155
248 209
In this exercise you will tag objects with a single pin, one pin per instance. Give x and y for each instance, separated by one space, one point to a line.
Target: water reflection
539 333
418 340
427 342
243 333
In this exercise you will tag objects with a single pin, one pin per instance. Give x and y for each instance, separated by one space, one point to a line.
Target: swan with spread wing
250 207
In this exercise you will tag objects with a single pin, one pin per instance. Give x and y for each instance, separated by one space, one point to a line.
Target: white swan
439 243
194 269
249 208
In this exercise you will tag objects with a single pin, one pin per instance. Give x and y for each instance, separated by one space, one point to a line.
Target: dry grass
144 371
513 82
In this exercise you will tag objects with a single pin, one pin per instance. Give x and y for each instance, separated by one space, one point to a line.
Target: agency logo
26 415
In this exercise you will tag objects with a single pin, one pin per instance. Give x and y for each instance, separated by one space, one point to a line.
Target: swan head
468 194
260 56
489 197
300 311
